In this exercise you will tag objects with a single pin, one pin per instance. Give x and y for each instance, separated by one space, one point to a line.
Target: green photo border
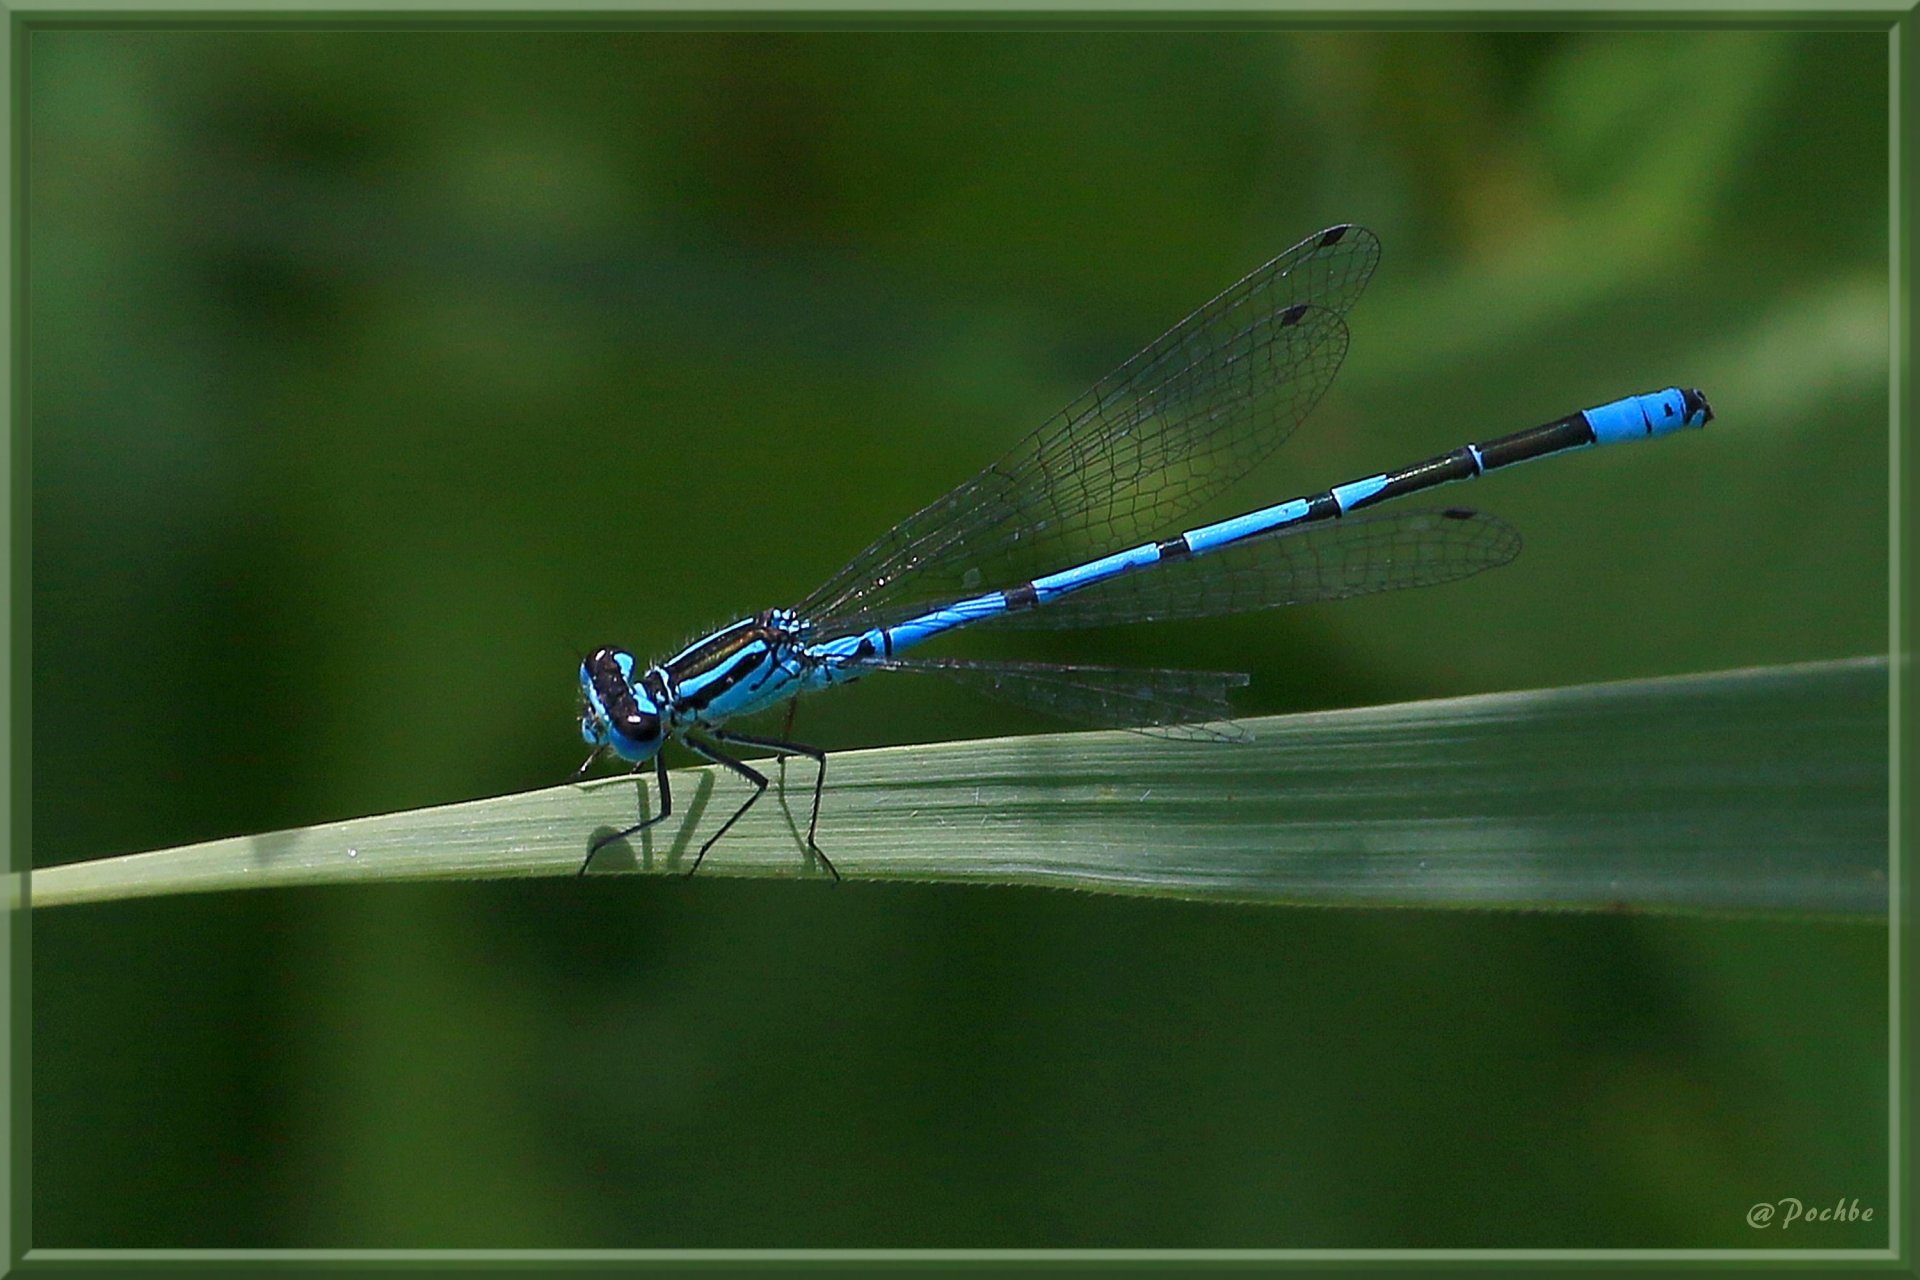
24 19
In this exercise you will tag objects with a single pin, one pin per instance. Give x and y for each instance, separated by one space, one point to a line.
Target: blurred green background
375 375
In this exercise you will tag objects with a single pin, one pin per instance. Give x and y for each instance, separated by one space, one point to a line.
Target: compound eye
640 726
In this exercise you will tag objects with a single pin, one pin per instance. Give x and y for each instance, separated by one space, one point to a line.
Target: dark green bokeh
374 375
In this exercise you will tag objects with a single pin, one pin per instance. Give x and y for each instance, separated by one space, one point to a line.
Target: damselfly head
617 711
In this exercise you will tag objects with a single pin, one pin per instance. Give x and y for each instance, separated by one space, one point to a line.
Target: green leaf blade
1757 790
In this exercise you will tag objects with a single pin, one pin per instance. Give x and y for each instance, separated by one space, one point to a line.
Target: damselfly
1109 474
